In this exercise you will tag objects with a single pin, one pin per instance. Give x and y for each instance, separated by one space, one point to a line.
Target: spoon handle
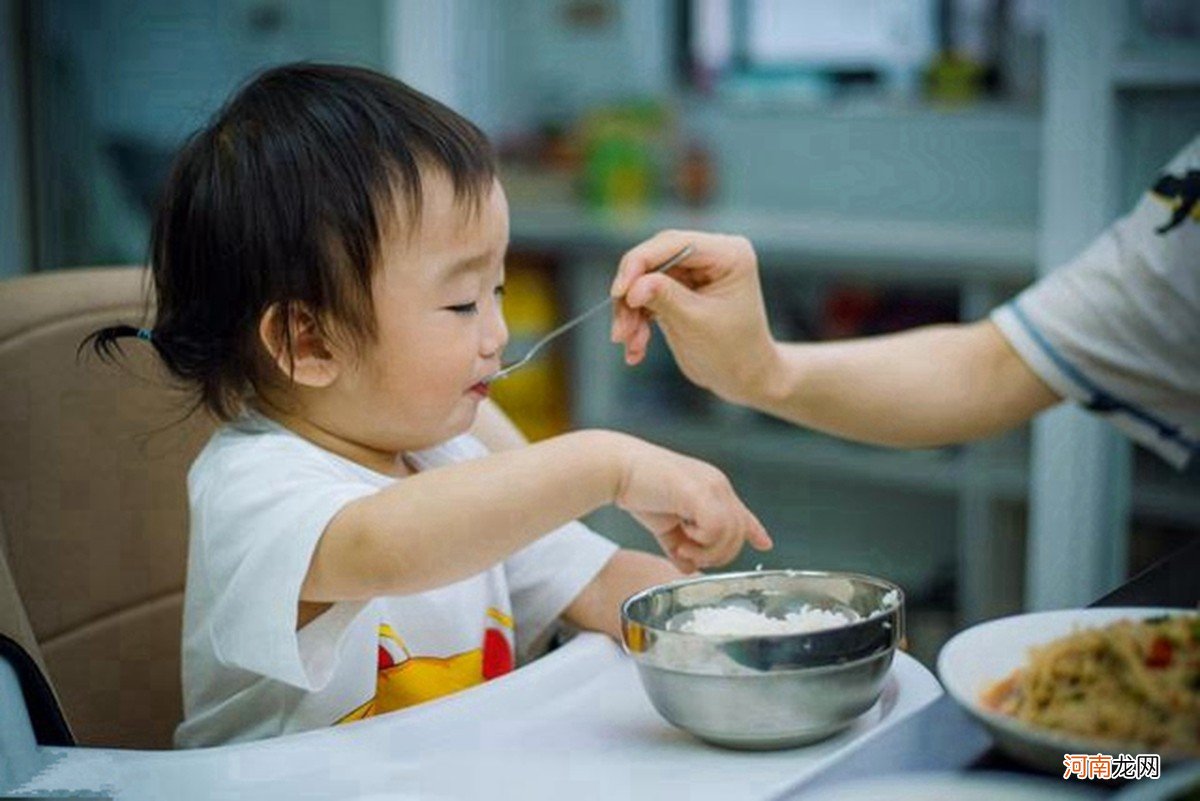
574 321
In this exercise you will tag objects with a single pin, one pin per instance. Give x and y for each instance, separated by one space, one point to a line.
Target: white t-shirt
260 499
1118 329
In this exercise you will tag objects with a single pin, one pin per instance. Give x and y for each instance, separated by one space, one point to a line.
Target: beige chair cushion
13 622
93 461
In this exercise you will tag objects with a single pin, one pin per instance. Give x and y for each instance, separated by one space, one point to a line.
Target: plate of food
1118 682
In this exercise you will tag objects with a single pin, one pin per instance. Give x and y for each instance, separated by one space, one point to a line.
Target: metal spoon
567 326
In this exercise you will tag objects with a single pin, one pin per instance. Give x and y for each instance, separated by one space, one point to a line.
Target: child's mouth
480 389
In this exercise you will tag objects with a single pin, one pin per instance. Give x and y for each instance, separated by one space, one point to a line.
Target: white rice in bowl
720 621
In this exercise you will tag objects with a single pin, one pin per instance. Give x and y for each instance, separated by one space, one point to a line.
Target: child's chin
462 424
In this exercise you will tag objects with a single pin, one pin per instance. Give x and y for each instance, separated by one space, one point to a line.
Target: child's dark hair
282 200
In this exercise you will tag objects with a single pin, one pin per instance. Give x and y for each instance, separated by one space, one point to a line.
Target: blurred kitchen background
895 162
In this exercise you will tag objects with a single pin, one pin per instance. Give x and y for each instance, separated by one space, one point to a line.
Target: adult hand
709 307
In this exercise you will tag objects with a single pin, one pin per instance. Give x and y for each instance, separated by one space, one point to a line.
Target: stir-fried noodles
1135 682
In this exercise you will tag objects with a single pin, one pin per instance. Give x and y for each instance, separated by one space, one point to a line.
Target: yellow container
535 396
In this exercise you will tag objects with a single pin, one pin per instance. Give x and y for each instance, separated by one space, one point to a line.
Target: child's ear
297 346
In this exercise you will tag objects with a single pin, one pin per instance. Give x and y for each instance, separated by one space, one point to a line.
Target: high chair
93 513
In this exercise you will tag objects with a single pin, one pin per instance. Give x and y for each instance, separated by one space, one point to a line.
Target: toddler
367 530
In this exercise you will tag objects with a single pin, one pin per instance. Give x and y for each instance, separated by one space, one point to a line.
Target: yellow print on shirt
1181 193
404 679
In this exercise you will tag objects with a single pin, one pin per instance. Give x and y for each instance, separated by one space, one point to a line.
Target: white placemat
574 724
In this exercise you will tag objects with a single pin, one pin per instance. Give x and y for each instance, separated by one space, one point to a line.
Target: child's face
440 326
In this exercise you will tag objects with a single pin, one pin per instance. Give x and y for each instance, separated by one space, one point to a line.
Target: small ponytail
106 344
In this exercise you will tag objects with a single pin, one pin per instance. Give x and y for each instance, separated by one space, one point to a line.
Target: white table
574 724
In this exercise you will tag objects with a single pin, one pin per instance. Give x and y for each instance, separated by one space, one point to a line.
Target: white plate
976 658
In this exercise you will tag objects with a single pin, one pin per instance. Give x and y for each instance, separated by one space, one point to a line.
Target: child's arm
598 605
435 528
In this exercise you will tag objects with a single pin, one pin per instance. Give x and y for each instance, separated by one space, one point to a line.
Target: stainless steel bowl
764 691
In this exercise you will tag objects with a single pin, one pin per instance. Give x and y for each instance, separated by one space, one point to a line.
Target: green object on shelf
954 79
617 172
621 148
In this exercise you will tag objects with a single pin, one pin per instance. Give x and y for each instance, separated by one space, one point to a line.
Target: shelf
944 471
872 105
800 242
779 446
1169 67
1164 493
1164 501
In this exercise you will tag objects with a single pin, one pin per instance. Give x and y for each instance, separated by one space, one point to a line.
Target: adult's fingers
635 348
622 324
631 328
644 257
659 293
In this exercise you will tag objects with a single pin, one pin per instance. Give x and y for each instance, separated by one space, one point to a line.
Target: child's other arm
495 429
436 528
598 605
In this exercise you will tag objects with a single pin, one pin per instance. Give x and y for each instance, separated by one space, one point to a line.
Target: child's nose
495 335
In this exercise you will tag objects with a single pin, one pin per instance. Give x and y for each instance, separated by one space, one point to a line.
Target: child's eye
473 308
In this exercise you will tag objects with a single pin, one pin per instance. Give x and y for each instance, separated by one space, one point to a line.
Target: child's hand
688 505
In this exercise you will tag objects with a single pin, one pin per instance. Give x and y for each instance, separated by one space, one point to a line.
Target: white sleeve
545 576
1118 329
261 511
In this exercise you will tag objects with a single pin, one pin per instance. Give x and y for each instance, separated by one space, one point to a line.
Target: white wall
108 70
510 65
561 69
159 69
453 51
